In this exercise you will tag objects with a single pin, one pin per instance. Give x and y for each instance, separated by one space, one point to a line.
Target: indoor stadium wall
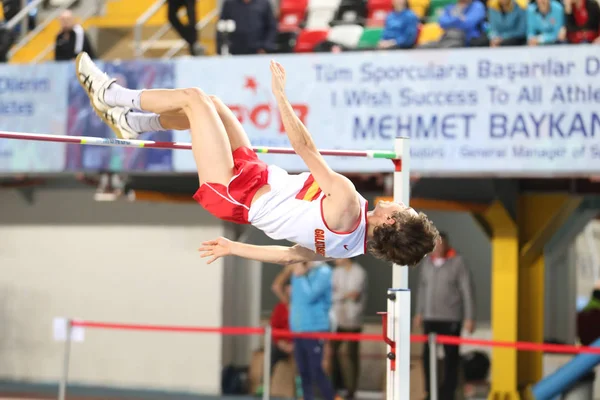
141 267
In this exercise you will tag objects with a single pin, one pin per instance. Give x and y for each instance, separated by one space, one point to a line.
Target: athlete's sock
144 122
117 95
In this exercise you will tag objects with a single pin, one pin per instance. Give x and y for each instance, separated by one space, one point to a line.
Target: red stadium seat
291 14
377 17
287 6
380 4
309 38
377 11
291 21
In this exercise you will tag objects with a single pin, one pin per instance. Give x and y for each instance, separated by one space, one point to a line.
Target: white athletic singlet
291 210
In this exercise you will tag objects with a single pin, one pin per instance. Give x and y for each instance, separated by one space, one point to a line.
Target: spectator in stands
7 39
255 26
463 25
6 42
187 32
10 8
309 312
545 23
588 319
507 22
349 300
401 27
32 17
445 304
582 21
282 348
71 40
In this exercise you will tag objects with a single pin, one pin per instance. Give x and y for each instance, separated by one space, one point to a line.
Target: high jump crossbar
396 321
151 144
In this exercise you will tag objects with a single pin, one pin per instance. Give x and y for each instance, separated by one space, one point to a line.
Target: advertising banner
467 112
508 111
83 121
33 98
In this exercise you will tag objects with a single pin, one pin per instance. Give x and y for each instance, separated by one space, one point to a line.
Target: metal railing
141 46
139 24
433 366
225 27
199 26
21 16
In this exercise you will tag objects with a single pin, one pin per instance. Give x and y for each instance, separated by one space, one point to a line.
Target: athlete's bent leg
210 145
146 122
141 122
177 120
235 130
174 122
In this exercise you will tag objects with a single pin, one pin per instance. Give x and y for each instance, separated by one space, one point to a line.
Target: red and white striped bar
151 144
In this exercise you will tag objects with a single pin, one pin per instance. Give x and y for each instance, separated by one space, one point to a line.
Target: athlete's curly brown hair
405 242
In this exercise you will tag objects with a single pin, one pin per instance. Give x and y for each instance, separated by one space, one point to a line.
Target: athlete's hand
277 78
215 249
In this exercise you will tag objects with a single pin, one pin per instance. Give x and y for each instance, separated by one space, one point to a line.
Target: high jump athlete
321 211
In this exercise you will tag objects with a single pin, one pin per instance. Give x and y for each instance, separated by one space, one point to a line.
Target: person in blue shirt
310 303
463 25
507 22
401 27
545 23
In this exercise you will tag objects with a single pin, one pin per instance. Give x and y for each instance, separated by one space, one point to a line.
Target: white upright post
268 342
398 362
62 386
398 305
401 195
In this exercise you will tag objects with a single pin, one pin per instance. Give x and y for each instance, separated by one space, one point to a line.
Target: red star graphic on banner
251 84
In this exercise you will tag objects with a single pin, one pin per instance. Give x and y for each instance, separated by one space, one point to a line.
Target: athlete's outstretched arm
270 254
303 144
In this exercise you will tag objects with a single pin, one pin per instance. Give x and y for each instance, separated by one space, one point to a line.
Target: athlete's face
385 209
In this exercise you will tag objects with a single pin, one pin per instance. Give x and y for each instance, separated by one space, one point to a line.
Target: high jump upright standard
396 321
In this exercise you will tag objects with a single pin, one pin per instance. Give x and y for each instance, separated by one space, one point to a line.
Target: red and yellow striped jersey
293 211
